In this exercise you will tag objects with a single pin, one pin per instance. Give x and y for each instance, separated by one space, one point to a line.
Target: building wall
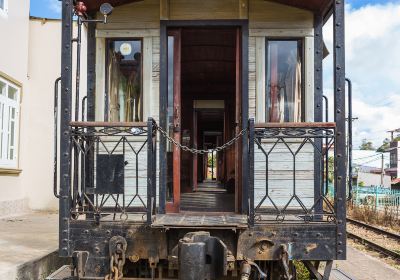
36 67
38 115
371 179
14 30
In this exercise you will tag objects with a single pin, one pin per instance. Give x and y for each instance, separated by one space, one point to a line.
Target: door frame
244 27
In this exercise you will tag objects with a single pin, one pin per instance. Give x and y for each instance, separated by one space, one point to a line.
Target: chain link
201 152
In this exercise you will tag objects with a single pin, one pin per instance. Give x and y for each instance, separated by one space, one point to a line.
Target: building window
393 159
9 124
284 80
124 82
3 7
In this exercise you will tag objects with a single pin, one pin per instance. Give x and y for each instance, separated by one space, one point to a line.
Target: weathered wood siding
266 19
135 159
137 15
264 14
203 10
281 171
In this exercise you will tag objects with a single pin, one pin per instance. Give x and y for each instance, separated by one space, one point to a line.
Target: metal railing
282 166
377 197
113 171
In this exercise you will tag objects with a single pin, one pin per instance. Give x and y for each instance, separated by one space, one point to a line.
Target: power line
375 155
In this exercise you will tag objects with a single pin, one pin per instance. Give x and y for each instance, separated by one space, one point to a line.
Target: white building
29 64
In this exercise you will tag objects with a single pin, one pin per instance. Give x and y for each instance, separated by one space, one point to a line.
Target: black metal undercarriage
154 252
111 235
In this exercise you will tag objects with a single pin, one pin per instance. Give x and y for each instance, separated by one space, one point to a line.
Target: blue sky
51 8
45 8
372 62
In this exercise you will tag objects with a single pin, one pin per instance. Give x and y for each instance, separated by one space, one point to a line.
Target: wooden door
238 123
173 207
195 145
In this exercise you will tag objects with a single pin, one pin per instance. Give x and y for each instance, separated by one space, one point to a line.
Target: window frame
6 163
4 10
302 41
108 40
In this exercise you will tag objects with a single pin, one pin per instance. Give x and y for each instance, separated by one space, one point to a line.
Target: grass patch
301 270
368 214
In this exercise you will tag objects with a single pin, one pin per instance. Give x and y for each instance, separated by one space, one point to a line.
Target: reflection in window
124 69
284 81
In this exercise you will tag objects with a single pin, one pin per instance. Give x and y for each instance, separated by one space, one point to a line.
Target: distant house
394 170
367 168
394 151
371 176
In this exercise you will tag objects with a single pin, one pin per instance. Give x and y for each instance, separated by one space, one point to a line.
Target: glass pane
12 132
2 87
284 81
125 81
2 4
12 93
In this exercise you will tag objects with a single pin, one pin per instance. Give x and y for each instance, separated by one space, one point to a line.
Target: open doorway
204 113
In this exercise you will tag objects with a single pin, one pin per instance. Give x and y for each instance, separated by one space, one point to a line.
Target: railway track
371 244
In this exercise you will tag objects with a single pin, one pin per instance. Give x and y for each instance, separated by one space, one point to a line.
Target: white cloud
54 6
373 64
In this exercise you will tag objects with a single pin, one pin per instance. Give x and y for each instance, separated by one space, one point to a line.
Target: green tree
367 145
384 146
331 165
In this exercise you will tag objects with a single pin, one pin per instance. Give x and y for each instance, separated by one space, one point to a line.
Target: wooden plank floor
210 206
198 220
210 197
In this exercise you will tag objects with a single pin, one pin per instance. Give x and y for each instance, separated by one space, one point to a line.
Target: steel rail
375 229
374 246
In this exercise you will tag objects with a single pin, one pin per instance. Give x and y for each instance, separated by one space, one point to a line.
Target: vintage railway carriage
199 150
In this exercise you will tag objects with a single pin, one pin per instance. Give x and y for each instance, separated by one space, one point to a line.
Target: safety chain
201 152
117 262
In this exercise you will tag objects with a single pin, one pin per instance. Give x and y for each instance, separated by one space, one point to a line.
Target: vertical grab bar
350 139
326 148
84 101
251 172
55 167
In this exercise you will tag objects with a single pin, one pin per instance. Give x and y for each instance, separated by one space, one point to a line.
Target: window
9 123
393 158
284 81
124 82
3 7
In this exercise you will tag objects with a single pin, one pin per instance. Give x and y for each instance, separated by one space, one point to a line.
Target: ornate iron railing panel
113 171
284 159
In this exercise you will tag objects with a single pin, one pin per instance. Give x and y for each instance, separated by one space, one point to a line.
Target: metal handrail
55 169
350 131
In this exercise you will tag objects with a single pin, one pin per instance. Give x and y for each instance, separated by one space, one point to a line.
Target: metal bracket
79 260
313 269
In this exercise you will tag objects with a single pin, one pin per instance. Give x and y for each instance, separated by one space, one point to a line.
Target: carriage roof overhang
320 7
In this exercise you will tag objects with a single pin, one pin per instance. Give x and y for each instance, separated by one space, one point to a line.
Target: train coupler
202 256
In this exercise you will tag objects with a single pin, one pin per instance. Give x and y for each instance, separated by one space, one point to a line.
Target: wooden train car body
199 150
